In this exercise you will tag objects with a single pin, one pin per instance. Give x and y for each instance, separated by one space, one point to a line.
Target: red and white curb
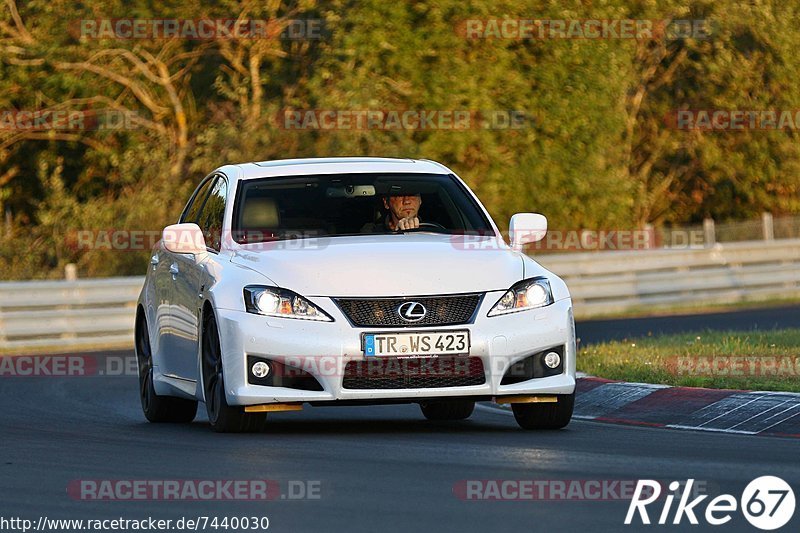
663 406
720 410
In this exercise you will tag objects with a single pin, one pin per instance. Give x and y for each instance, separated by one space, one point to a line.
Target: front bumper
324 348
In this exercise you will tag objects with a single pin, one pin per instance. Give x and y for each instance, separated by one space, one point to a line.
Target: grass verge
747 360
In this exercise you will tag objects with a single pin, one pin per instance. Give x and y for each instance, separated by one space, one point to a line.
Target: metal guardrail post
650 236
767 227
70 272
709 232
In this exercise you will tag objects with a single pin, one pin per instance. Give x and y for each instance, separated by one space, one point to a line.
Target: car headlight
272 301
527 294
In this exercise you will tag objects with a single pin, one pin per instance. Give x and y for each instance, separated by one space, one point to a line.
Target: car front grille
383 312
393 373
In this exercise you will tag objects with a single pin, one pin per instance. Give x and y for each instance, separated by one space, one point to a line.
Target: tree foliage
596 150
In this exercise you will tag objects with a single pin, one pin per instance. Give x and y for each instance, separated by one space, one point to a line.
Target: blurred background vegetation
597 155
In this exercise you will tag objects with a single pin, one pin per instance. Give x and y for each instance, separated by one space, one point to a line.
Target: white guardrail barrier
100 312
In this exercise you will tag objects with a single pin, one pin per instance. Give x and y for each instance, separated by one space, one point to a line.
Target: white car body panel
383 265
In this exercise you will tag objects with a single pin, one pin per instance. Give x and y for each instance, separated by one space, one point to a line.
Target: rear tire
224 418
157 408
447 409
545 415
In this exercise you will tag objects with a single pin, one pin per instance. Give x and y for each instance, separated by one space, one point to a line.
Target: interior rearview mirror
351 191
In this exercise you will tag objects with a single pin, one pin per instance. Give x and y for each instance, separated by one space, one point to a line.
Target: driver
403 214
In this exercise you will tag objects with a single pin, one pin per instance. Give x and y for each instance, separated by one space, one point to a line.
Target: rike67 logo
767 503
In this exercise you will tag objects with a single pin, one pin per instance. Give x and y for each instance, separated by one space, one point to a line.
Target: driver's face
403 206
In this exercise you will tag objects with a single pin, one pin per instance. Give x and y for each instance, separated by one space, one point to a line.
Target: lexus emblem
412 311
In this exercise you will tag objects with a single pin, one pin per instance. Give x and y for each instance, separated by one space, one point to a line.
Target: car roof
332 165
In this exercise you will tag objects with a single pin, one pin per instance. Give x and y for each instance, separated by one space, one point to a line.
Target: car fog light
260 369
552 360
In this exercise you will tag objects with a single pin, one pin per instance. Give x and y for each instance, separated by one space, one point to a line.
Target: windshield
351 204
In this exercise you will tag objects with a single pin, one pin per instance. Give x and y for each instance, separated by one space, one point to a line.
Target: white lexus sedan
291 283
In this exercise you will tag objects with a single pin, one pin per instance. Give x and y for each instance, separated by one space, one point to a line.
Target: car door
162 296
191 278
175 272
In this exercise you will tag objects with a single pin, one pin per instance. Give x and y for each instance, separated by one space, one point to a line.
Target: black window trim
197 189
223 177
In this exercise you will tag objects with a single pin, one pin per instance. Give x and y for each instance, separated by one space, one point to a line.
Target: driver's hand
408 223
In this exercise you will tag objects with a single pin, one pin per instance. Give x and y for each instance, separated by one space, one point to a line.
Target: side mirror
184 239
525 228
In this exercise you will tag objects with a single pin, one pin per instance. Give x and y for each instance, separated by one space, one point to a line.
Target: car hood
386 265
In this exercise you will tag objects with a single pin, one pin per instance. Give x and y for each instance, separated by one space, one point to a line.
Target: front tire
157 408
224 418
545 415
447 409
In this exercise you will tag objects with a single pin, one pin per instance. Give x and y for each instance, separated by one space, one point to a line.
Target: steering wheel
431 225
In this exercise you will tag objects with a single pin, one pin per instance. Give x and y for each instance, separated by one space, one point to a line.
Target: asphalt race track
378 468
763 319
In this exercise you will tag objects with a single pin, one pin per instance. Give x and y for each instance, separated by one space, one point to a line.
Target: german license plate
416 343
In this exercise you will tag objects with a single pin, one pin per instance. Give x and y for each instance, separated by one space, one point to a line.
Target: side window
213 213
192 209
